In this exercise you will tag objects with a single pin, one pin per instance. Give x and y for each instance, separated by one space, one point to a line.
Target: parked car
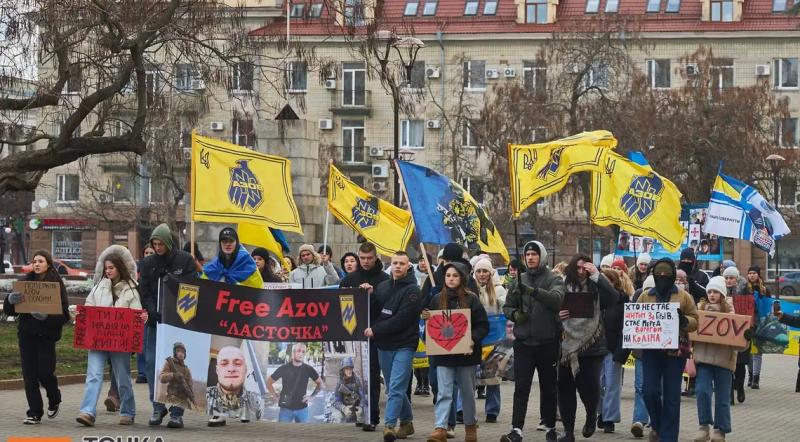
789 284
61 267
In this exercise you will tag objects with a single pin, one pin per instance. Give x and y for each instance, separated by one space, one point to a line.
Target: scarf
580 334
237 271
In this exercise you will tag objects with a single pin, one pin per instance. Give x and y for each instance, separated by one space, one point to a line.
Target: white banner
650 325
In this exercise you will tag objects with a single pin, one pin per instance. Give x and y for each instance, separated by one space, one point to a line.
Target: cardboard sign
109 329
722 328
651 325
449 332
39 296
579 304
744 304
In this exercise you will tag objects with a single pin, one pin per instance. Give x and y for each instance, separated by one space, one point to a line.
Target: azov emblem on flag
642 196
348 307
552 164
187 302
245 191
365 213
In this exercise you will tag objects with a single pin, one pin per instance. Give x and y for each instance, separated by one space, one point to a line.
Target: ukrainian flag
538 170
232 184
260 236
381 223
634 197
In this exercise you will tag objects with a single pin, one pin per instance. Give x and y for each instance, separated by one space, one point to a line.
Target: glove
683 321
39 316
530 291
14 298
520 317
748 334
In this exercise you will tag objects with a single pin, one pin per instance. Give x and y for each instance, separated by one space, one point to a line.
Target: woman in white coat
116 287
492 296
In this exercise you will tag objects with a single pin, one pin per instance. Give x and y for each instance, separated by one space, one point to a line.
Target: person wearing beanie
265 265
621 268
311 272
451 252
233 265
663 369
607 261
763 300
533 302
166 261
639 272
696 278
492 295
735 286
714 363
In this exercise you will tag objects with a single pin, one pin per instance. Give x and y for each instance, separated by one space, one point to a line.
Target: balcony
352 158
351 103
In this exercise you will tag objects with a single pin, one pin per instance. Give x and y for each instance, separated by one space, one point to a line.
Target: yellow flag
232 184
381 223
260 236
538 170
637 199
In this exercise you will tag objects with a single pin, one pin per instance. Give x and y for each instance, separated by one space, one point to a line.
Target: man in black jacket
395 330
166 261
696 278
452 252
368 275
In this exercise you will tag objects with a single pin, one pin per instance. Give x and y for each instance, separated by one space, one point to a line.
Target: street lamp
776 161
407 49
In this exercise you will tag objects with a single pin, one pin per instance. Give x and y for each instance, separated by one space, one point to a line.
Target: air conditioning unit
433 124
197 84
325 124
104 198
492 74
217 125
432 72
187 153
380 171
762 70
330 84
379 186
376 151
691 69
510 73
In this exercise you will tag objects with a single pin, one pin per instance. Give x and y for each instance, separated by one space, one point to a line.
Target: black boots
756 380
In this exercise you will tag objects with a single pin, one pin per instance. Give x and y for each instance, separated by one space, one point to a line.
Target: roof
757 16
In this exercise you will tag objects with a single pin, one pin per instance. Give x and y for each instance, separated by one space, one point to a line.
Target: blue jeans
611 389
492 405
397 368
150 356
663 376
141 361
639 407
447 378
121 362
299 416
717 380
432 378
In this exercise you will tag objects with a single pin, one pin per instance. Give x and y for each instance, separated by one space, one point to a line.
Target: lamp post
776 162
407 49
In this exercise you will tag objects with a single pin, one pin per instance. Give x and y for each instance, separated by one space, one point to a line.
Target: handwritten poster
650 325
39 296
449 332
109 329
722 328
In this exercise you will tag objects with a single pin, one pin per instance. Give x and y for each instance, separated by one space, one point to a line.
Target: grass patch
68 359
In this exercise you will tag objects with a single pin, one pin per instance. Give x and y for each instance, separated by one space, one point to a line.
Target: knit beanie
484 264
607 260
644 258
731 271
262 252
717 283
649 283
663 267
453 252
619 262
728 263
756 269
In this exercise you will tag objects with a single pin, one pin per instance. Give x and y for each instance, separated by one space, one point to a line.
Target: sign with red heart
449 332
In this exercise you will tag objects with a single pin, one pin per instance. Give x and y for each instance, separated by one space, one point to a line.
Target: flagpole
325 234
408 201
193 173
516 240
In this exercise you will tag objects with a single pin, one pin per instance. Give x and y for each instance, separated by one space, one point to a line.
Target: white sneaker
216 421
451 432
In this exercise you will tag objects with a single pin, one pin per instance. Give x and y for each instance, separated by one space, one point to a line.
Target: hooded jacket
542 325
373 276
50 327
438 276
155 267
122 252
125 292
395 306
314 275
238 268
696 278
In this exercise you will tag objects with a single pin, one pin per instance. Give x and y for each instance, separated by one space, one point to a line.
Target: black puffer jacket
155 267
395 312
373 276
50 328
480 328
612 323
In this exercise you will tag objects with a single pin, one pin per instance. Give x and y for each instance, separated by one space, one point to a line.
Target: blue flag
444 212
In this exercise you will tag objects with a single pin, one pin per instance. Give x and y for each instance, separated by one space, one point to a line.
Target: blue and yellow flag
260 236
444 212
538 170
381 223
232 184
638 200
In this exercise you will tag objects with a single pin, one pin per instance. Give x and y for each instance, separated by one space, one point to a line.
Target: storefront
69 240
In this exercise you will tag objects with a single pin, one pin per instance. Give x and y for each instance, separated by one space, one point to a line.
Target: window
490 7
612 6
430 8
653 5
658 73
779 5
721 73
673 5
468 137
417 80
74 81
536 11
354 13
158 190
242 76
474 75
353 141
475 188
187 78
539 135
315 11
722 10
123 188
296 74
597 76
592 6
471 8
354 77
186 138
68 188
297 10
412 134
534 76
243 133
788 189
786 133
411 8
68 247
153 83
786 73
